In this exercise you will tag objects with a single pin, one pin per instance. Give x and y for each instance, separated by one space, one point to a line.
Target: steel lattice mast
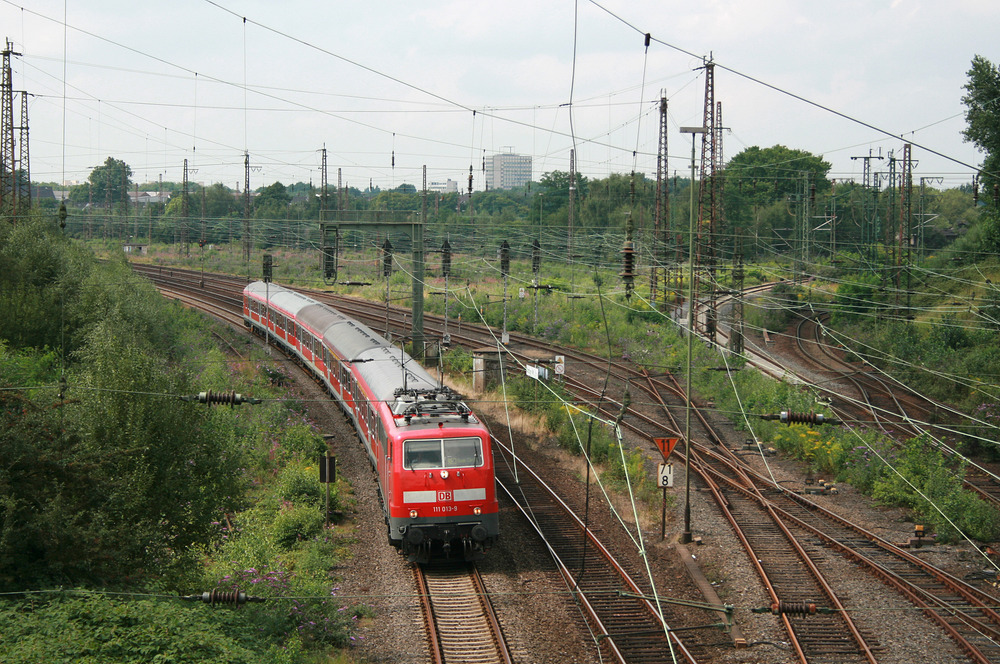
8 159
661 215
708 200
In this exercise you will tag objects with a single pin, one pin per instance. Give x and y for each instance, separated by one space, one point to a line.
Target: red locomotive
432 455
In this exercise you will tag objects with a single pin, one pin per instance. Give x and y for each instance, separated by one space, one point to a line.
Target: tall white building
506 170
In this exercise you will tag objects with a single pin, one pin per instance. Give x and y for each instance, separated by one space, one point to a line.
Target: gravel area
540 621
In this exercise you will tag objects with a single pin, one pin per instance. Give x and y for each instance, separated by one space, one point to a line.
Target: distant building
506 170
449 187
143 198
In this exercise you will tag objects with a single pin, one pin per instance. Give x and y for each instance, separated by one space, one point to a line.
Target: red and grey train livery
432 455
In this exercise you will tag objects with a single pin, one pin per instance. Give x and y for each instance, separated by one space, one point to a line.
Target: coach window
421 454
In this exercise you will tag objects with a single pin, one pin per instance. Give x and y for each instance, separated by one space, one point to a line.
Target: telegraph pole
736 329
905 221
184 209
322 181
23 182
246 210
572 191
417 332
661 215
870 200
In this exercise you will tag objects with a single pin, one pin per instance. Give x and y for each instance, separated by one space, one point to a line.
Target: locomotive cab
445 490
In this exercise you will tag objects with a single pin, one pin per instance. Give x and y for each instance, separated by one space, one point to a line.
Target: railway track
785 568
771 523
890 407
460 623
459 620
898 412
957 609
616 600
965 613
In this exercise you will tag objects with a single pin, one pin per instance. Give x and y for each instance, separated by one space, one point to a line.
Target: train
432 456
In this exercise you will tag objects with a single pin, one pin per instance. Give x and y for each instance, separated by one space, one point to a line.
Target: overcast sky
444 83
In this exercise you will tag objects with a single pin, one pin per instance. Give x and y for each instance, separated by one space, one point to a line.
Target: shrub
299 483
295 524
86 627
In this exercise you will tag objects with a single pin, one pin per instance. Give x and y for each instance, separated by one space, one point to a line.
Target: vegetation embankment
916 475
116 496
647 337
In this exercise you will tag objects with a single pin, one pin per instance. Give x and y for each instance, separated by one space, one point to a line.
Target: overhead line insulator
790 417
628 267
225 398
782 608
233 598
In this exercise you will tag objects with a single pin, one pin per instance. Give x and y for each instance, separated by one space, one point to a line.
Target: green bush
295 523
922 480
299 483
87 627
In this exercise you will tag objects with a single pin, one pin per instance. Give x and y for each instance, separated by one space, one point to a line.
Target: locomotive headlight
477 511
444 474
413 514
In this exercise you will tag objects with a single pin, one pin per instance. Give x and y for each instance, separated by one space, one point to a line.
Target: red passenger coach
431 454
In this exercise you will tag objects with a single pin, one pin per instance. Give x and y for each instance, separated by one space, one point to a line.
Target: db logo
444 496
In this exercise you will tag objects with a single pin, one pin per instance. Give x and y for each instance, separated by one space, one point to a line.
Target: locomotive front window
462 452
421 454
455 452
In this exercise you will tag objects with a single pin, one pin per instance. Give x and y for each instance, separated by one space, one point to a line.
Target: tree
221 202
555 184
110 182
114 479
760 176
982 116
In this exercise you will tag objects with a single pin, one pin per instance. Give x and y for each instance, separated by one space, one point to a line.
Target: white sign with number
665 471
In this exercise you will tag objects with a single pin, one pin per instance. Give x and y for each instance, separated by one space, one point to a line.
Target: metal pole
686 536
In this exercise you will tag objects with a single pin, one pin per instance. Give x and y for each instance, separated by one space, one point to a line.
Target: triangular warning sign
666 445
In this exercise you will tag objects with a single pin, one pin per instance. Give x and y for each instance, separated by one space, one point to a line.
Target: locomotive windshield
442 453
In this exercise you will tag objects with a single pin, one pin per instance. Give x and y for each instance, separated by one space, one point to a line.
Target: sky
390 87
